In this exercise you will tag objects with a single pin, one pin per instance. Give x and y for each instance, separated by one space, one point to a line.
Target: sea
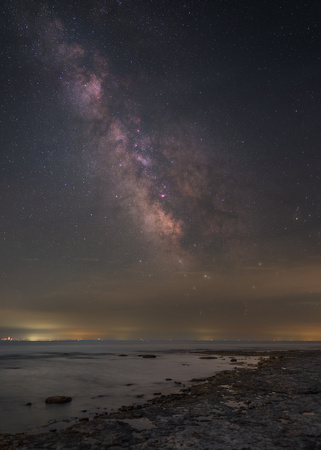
101 376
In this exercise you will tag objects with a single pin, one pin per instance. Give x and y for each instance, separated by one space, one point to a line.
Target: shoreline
96 383
276 405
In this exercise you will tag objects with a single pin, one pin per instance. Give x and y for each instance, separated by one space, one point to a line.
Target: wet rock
28 404
58 399
147 356
208 357
122 354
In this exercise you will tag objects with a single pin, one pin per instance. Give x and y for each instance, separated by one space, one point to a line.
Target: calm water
98 379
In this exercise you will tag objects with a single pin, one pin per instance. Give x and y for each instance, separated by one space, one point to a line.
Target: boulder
58 399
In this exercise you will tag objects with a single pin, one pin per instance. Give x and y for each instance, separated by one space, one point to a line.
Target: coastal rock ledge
275 406
58 399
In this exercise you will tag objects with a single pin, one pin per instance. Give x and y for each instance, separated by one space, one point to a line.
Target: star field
160 169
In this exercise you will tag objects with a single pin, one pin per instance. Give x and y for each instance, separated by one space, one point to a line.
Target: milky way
179 195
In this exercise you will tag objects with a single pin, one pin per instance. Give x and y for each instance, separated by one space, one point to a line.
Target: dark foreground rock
276 406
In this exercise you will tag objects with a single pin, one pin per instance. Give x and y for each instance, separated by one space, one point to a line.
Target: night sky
160 169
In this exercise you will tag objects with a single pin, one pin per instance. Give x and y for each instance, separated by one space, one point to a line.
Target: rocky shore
277 405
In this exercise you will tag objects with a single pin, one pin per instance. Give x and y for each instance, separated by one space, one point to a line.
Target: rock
28 404
208 357
58 399
168 379
233 360
201 389
122 354
147 356
83 419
